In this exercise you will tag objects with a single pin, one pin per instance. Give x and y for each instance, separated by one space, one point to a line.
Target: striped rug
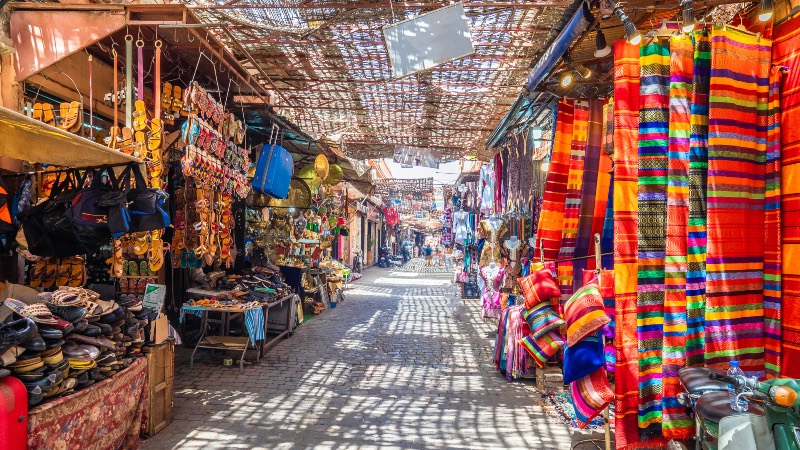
584 244
737 148
786 52
551 218
626 157
572 204
772 235
698 172
653 158
676 424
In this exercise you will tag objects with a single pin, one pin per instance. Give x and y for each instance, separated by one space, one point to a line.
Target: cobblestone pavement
400 363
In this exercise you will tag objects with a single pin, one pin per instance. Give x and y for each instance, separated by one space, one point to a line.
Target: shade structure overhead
328 65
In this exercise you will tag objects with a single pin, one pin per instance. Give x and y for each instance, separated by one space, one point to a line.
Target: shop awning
31 140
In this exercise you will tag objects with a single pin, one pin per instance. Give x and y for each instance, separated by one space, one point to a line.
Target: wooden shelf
31 140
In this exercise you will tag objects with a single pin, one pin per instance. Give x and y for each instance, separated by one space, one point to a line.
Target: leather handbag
45 225
273 169
89 216
147 206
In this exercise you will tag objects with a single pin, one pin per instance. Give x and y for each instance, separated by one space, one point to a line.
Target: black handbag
45 225
147 206
88 216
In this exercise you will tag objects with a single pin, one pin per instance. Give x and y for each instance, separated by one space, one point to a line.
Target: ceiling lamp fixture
567 79
584 72
632 35
602 48
765 10
688 16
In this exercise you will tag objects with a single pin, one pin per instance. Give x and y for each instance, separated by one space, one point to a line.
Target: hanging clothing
486 186
461 230
493 230
490 299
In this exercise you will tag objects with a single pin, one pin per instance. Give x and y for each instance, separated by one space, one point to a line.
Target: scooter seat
714 406
696 381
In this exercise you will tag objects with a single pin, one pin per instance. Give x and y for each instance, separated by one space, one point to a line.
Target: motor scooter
772 421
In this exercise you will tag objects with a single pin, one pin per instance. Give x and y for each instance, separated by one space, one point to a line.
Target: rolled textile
591 164
698 175
626 157
737 147
551 217
676 424
786 53
772 228
572 203
652 197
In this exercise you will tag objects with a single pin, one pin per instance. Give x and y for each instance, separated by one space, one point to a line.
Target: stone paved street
401 363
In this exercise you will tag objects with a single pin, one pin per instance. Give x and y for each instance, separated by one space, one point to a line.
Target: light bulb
567 80
765 9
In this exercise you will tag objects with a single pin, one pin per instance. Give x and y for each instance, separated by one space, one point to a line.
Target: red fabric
606 281
538 286
108 415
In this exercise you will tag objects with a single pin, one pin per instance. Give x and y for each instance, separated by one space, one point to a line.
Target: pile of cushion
69 341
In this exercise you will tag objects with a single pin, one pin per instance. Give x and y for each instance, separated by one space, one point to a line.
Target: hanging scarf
604 168
786 52
551 218
572 204
737 147
772 235
626 207
698 175
676 423
583 239
607 237
653 161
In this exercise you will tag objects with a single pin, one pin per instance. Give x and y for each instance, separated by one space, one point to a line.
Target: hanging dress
493 230
490 299
460 227
486 186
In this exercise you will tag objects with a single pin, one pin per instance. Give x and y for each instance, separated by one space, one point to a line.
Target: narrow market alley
402 362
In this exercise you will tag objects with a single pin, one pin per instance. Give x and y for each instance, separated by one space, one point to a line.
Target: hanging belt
157 83
140 69
91 101
116 88
129 81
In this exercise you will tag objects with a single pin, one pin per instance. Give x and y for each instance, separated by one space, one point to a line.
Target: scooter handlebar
738 381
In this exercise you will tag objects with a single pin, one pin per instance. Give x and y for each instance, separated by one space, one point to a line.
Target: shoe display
16 332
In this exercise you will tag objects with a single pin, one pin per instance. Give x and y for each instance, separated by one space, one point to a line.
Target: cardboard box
159 329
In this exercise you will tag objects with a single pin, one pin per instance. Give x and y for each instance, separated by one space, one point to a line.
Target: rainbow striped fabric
551 217
626 157
698 173
652 197
772 235
572 204
676 424
786 52
737 149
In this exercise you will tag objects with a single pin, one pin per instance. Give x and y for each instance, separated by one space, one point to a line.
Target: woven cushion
590 395
543 348
583 358
538 286
584 313
542 318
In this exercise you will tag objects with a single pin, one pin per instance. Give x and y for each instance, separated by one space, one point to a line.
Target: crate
549 379
160 380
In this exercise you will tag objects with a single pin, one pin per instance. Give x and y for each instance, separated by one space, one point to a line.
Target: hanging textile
698 174
653 157
591 164
676 424
605 151
772 235
572 204
551 218
738 91
786 53
607 237
626 157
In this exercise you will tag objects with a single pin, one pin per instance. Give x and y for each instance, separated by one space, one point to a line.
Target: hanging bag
147 206
89 217
274 168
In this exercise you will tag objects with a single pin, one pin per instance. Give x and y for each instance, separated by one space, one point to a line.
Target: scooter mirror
783 395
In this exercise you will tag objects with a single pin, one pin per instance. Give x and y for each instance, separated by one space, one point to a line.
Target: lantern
335 175
321 166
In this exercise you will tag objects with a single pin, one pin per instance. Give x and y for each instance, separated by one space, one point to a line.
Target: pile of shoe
70 341
264 285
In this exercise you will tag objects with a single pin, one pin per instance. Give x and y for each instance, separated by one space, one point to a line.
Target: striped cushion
542 318
590 395
585 313
543 348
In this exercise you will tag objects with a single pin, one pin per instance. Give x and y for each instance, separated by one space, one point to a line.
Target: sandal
154 138
49 277
140 243
156 255
139 116
139 144
125 143
177 102
63 271
48 114
133 268
123 285
166 95
37 312
37 112
144 269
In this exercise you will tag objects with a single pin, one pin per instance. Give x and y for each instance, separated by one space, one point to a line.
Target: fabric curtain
737 147
626 157
786 53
